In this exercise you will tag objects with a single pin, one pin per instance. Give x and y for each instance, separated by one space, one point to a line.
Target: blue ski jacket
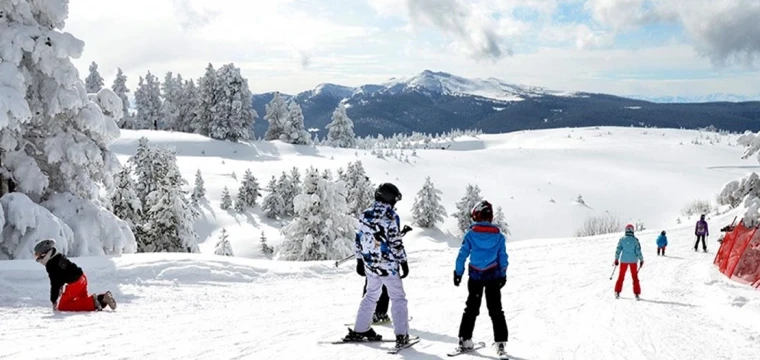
662 241
628 249
486 247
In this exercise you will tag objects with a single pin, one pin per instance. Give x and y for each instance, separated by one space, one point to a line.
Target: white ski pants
399 311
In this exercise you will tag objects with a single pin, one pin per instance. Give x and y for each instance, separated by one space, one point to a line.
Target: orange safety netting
739 254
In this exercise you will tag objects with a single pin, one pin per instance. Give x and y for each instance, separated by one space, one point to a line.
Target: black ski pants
696 244
382 303
492 290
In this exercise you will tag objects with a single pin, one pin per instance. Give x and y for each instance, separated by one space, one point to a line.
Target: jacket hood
486 234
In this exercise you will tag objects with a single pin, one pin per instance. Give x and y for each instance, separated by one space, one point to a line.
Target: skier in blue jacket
662 243
627 253
485 245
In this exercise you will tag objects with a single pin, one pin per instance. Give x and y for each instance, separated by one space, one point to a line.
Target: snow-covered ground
558 299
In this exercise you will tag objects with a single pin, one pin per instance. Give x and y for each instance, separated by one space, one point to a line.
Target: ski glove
502 282
360 267
405 268
457 278
617 262
641 264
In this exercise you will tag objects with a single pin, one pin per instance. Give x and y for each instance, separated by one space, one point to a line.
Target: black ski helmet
387 193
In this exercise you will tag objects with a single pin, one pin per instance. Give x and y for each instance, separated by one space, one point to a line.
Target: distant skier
701 230
662 243
381 257
68 281
485 245
627 253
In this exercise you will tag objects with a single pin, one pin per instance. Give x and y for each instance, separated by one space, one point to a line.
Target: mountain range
435 102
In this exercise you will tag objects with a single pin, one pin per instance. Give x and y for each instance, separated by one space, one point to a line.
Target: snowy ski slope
558 299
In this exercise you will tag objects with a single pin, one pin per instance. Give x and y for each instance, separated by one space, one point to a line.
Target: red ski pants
75 298
634 273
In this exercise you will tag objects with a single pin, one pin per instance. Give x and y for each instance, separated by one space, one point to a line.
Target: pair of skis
413 339
459 351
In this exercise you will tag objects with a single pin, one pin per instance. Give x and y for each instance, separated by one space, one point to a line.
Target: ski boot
380 319
501 349
103 300
617 295
466 344
402 340
637 297
369 335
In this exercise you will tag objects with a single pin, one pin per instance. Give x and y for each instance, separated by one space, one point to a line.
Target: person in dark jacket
68 283
485 245
701 230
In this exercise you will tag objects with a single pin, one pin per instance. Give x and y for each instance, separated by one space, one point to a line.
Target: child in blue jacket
485 245
662 242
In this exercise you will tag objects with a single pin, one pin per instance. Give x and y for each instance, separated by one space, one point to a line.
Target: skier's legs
659 250
704 245
621 277
399 309
368 303
493 302
635 276
663 250
472 309
382 303
75 297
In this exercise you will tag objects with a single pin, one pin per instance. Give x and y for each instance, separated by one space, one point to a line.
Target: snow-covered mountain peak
338 91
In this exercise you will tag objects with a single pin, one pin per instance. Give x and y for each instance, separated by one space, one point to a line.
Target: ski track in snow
558 301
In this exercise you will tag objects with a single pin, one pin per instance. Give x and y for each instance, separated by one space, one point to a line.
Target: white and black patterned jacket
378 240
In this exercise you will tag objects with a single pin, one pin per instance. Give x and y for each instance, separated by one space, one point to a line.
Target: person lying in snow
68 281
662 243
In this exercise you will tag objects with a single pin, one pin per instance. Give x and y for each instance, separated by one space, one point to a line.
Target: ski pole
613 271
341 261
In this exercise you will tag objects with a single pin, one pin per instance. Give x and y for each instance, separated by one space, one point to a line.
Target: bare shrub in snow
599 225
223 246
321 229
427 209
23 223
696 207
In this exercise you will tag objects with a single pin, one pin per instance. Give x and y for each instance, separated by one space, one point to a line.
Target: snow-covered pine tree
310 181
54 137
94 82
206 111
189 101
327 174
471 197
171 92
169 216
277 116
226 203
321 229
126 204
265 248
223 246
233 117
145 163
273 204
148 103
361 192
249 191
427 209
199 191
341 129
294 130
119 87
500 221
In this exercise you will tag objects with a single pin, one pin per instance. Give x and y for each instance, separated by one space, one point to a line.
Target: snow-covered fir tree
94 82
265 248
427 208
472 196
500 221
287 192
148 103
55 139
341 129
321 229
327 174
119 87
361 192
207 95
147 168
277 115
294 131
126 204
189 101
223 246
233 115
199 191
172 93
310 181
273 204
169 216
226 203
249 191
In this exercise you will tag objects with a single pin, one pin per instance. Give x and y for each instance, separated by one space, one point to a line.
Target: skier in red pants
68 281
627 254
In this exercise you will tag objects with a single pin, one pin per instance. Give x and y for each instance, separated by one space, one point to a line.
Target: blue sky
624 47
